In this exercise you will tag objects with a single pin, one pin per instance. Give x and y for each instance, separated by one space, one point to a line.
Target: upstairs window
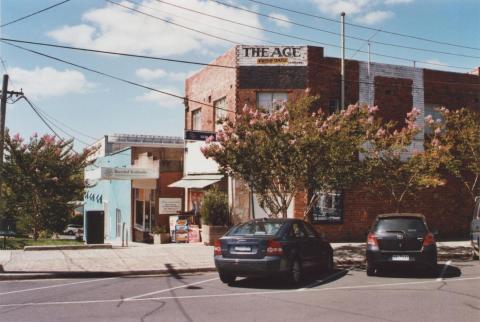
269 101
220 111
329 208
197 119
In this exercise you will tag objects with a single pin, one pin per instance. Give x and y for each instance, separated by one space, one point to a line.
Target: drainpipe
342 66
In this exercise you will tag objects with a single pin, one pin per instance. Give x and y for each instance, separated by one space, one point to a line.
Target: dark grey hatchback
272 247
400 239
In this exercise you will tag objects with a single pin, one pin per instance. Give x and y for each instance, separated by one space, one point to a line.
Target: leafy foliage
214 210
42 178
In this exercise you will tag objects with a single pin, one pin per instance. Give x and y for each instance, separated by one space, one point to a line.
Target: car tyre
370 270
295 276
227 278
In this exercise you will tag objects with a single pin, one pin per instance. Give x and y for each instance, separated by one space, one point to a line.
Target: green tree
43 177
459 135
289 150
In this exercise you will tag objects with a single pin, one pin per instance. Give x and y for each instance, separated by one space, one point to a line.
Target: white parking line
444 270
57 285
170 289
235 294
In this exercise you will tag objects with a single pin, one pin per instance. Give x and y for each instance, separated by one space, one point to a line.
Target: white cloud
364 11
150 74
280 23
47 82
161 99
375 17
119 29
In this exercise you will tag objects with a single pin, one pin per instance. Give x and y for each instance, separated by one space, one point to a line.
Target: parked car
399 239
475 229
272 247
72 229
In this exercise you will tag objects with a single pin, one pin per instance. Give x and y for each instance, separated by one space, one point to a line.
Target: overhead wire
34 13
42 119
335 33
362 26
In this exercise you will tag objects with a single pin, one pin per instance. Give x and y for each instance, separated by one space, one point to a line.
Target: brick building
261 75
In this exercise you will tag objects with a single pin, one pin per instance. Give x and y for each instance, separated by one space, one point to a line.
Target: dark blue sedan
272 247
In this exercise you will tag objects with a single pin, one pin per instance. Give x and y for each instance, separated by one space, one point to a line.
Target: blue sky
95 105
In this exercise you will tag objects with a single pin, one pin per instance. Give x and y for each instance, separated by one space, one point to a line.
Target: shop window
220 111
432 109
329 208
269 101
197 119
144 208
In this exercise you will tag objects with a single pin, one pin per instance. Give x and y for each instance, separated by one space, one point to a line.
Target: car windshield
400 224
256 228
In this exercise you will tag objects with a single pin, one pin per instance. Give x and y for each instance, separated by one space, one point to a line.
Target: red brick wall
465 92
394 98
207 86
163 191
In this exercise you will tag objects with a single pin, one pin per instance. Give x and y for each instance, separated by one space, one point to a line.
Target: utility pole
342 66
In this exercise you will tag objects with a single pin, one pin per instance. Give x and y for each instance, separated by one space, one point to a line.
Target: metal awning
196 181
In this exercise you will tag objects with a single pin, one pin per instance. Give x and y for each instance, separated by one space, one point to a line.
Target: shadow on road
281 284
441 271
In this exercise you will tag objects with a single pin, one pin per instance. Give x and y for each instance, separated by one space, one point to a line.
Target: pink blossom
438 131
444 110
253 121
292 142
245 108
55 179
370 120
435 142
380 133
210 139
429 119
373 109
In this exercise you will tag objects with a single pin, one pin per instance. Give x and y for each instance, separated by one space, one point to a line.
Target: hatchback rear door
400 233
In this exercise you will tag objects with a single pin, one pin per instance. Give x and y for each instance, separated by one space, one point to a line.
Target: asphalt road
345 295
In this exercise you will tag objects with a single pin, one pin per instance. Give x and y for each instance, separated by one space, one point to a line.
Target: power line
336 33
285 35
115 53
6 40
34 13
363 27
41 118
115 77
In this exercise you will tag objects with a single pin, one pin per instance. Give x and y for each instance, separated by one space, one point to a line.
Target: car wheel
227 278
296 274
71 233
370 270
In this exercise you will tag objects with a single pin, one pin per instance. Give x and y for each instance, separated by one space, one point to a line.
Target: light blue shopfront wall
112 196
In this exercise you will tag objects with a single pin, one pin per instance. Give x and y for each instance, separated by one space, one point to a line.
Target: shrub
214 210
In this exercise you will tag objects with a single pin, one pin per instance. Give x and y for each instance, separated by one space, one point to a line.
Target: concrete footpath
143 259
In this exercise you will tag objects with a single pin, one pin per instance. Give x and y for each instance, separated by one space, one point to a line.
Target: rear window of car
256 229
400 224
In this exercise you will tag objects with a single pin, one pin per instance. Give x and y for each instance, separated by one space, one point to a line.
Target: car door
303 244
317 244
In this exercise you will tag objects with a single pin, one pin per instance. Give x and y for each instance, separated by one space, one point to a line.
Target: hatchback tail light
274 248
217 248
428 240
372 241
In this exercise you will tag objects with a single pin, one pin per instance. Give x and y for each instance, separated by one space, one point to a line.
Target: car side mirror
435 231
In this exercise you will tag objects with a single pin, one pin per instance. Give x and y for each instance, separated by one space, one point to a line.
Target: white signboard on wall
272 55
128 173
168 206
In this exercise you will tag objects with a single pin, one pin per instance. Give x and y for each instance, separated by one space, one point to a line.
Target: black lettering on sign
276 52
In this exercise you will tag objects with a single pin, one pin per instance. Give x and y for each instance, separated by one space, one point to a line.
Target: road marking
233 294
444 270
316 283
54 286
170 289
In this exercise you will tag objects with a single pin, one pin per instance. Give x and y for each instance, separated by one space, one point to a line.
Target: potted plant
160 235
214 214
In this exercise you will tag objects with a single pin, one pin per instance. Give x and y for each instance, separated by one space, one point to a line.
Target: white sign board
272 55
169 206
128 173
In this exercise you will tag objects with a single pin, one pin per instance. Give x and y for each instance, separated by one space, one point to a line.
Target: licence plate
243 248
400 258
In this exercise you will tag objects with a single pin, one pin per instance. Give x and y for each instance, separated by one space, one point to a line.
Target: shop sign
128 173
168 206
272 55
198 135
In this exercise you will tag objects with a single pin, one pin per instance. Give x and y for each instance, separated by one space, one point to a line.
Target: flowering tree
394 168
291 149
459 135
42 178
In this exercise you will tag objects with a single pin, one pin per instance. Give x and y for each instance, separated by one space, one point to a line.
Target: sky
86 106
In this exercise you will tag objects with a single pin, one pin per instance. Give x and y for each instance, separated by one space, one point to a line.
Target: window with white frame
329 208
432 109
269 101
197 119
220 111
144 208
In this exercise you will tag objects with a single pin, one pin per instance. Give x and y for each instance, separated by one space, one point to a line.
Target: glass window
400 224
197 119
329 208
431 109
256 228
220 111
297 230
144 208
271 100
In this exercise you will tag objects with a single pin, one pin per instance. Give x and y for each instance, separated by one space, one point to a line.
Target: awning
196 181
